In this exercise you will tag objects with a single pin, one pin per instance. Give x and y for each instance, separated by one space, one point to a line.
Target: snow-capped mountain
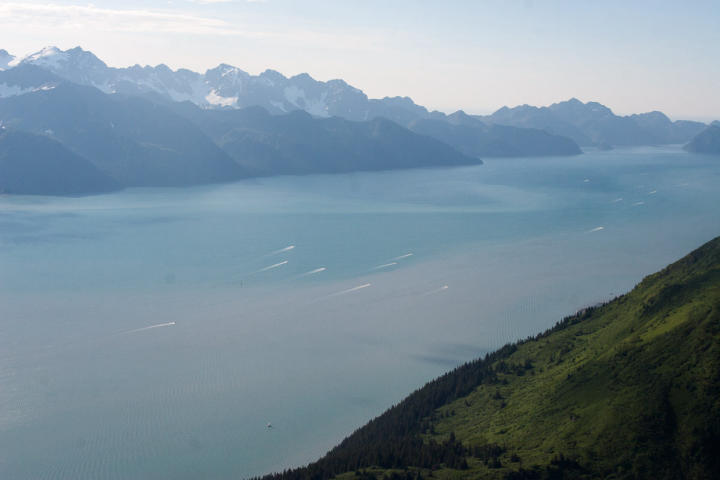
224 86
76 65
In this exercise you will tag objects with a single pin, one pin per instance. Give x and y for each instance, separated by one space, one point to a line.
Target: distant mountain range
136 124
134 141
226 86
592 123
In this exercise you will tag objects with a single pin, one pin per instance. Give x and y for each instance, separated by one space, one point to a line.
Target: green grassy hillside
630 389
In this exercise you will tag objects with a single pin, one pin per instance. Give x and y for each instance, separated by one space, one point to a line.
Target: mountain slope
629 389
34 164
297 143
707 141
481 140
136 142
146 141
26 79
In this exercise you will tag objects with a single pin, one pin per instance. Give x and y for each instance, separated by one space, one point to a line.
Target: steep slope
629 389
707 141
137 142
34 164
297 143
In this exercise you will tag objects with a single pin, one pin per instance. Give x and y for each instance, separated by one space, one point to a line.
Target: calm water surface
154 333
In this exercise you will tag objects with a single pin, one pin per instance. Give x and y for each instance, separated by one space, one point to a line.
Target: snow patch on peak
46 52
229 70
314 106
50 57
214 99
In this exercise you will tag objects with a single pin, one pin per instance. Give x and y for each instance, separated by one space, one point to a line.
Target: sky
476 55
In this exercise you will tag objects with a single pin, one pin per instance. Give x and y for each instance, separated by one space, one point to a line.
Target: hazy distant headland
707 141
152 126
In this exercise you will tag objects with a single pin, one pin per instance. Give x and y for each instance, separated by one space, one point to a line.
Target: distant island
152 126
627 389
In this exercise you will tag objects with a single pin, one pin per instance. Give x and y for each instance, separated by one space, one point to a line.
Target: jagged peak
48 50
272 73
54 57
303 77
163 68
459 114
653 114
225 69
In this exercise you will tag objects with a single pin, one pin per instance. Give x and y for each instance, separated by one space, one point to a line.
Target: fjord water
154 333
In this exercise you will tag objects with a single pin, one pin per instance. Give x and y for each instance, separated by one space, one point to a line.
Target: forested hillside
628 389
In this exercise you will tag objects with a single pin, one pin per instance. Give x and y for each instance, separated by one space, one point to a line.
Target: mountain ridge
154 157
594 124
226 86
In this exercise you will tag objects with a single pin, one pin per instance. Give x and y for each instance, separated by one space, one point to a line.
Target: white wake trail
410 254
283 250
350 290
168 324
437 290
275 265
596 229
384 265
313 272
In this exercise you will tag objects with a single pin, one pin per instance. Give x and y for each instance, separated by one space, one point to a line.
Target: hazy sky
477 55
